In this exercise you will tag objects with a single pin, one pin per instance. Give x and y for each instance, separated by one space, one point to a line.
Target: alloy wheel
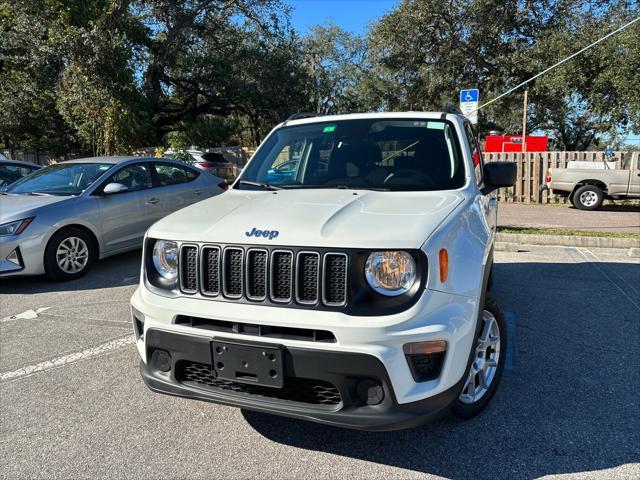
72 255
485 362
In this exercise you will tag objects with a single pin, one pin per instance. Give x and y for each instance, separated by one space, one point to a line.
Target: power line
560 63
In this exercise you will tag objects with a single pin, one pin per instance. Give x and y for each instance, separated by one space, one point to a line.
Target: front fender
468 239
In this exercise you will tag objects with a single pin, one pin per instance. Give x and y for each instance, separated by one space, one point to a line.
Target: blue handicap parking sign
470 95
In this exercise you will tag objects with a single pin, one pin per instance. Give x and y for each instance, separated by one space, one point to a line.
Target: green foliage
425 51
109 76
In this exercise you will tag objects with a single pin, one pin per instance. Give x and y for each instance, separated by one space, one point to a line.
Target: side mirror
111 188
498 175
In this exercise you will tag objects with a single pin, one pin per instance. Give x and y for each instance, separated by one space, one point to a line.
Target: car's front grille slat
281 275
308 278
256 274
232 273
268 275
335 279
189 268
210 267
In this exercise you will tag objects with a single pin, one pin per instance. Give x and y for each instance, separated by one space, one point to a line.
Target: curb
510 242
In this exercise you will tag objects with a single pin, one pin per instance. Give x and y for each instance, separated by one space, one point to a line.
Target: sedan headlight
390 273
14 228
165 259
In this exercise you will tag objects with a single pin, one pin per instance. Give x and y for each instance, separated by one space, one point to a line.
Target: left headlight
14 228
390 273
165 259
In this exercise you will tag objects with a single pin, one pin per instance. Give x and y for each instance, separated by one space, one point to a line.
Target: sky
352 15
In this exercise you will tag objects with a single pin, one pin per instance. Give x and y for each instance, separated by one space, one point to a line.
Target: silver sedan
64 217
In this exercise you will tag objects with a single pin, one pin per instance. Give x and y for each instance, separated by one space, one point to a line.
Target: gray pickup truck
587 188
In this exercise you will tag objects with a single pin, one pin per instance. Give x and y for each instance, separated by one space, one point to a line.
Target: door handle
197 192
153 200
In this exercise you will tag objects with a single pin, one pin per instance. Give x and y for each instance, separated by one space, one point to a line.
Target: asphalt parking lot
72 404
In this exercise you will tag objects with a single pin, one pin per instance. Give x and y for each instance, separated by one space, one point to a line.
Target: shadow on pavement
570 406
116 271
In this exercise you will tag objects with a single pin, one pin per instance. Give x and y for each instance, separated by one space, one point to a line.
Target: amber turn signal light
425 348
444 264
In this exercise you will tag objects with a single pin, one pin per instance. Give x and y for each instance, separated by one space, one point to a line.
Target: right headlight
14 228
390 273
165 259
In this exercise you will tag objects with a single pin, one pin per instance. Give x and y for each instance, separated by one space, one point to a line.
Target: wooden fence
532 168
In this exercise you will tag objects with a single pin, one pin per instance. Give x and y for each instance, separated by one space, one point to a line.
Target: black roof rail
452 109
300 115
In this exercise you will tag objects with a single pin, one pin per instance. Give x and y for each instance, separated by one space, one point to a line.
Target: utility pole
524 122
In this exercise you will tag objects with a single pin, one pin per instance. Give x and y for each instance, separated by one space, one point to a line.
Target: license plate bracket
253 364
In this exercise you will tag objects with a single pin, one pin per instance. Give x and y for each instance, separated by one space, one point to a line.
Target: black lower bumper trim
344 370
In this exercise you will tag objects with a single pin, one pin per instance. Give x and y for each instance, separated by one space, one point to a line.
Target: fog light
369 392
161 359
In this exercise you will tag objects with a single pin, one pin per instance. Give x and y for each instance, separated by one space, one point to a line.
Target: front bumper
344 406
379 340
30 252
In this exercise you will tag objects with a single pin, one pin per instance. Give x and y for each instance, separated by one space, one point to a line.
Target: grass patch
567 233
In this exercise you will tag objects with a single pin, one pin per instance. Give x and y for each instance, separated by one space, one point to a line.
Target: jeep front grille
267 275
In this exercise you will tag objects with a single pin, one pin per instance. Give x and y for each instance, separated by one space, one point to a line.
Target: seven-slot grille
255 274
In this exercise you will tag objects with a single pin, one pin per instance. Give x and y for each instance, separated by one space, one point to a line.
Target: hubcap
588 198
485 363
72 255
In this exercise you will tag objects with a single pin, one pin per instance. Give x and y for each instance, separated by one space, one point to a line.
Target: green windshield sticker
329 129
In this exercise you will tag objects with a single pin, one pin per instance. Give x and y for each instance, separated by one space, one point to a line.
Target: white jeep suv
349 288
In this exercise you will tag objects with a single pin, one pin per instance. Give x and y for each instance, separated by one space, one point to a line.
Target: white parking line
69 358
28 315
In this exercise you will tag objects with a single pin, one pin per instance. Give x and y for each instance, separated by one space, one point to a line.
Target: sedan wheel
69 254
72 255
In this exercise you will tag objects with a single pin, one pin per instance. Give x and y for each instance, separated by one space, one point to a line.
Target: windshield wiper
335 187
264 186
39 194
362 187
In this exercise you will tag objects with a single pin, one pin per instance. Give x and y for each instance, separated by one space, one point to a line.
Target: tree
425 51
334 60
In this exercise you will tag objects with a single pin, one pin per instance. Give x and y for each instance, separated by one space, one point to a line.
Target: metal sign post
524 122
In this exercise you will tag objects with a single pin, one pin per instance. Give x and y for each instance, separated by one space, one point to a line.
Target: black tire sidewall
463 410
586 188
51 267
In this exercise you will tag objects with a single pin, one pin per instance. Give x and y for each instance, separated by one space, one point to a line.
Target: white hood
314 218
16 207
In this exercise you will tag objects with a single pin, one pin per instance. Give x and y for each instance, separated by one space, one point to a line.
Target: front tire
485 371
588 197
69 254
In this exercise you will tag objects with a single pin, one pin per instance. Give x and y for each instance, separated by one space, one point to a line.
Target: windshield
61 179
409 155
11 172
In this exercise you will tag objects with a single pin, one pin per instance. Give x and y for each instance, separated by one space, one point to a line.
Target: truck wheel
588 197
483 377
68 255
